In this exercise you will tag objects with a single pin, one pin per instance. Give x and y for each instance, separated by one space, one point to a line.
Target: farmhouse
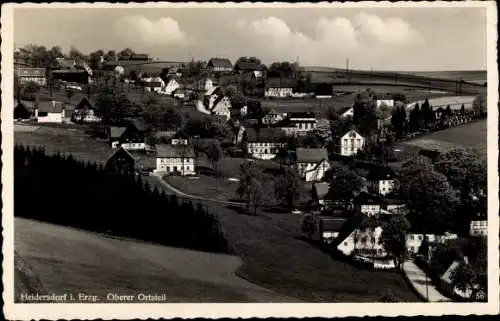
351 143
279 87
449 286
49 111
368 204
130 137
153 86
115 133
381 180
479 225
353 239
219 65
299 123
329 228
273 117
123 160
311 163
264 143
220 106
245 67
175 159
179 138
173 84
85 112
28 74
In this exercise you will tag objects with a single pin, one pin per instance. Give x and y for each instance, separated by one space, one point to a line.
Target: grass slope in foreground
72 260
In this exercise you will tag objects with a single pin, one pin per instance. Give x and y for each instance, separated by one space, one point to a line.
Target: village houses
311 163
28 74
351 143
273 117
50 111
299 123
264 143
130 137
172 85
368 204
177 159
123 160
85 112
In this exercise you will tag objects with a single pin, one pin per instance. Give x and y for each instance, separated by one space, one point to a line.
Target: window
345 243
421 237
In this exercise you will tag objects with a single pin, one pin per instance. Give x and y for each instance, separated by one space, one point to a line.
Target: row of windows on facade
263 151
177 169
358 141
182 159
262 144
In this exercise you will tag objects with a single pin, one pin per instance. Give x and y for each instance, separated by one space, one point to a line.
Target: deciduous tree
287 188
393 238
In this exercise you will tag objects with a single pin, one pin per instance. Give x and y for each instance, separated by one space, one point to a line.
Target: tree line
60 190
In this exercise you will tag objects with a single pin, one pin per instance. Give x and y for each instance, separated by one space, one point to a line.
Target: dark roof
220 62
70 71
265 135
365 198
116 132
50 106
331 224
85 104
180 134
152 84
311 155
172 151
30 72
144 160
246 65
380 173
301 115
281 83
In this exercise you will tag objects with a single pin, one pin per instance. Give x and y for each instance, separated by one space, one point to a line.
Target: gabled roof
331 224
380 173
174 151
220 62
85 104
302 115
365 198
143 160
246 65
311 155
265 135
30 72
351 133
180 134
116 132
281 83
446 277
50 106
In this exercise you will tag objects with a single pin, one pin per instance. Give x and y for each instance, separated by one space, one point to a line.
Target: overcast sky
382 38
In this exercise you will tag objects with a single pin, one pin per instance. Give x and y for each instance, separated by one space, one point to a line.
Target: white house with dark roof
381 180
219 65
264 143
279 87
351 143
311 163
415 240
299 123
273 117
173 84
114 134
329 228
175 159
153 86
49 111
85 112
28 74
220 106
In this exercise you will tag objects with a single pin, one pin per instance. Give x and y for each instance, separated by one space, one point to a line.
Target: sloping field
479 76
71 260
455 102
468 136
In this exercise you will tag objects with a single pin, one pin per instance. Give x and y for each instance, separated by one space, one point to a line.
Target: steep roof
220 62
281 83
311 155
380 173
174 151
30 72
85 103
331 224
265 135
246 65
116 132
302 115
144 160
50 106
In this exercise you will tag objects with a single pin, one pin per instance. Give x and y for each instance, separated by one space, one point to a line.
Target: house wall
134 146
171 86
42 81
478 228
278 92
271 119
179 141
370 210
382 187
414 241
182 165
312 171
364 243
261 150
51 118
350 146
223 108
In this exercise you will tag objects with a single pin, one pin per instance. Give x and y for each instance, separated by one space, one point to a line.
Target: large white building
50 112
351 143
264 143
175 159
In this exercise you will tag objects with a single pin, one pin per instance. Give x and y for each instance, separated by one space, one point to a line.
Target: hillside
71 260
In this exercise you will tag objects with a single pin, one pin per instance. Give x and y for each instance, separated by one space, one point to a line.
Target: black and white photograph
160 154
